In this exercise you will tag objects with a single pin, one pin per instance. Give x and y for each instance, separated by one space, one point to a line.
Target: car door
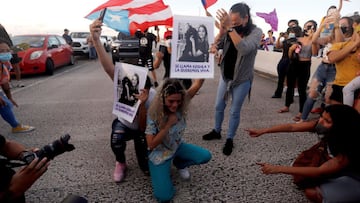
55 51
67 51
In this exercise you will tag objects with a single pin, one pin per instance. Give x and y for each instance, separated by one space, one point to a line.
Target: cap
167 34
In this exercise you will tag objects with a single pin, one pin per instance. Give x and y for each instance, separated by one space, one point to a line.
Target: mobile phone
102 14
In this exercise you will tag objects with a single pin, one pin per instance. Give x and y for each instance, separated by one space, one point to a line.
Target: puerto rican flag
208 3
127 16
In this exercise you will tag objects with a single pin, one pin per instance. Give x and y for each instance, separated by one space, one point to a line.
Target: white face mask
291 35
282 39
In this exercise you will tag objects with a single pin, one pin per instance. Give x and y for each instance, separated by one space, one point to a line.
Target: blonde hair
157 110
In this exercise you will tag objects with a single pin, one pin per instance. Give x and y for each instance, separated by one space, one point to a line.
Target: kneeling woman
165 127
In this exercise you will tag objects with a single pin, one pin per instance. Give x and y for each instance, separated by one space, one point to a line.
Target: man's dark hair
293 21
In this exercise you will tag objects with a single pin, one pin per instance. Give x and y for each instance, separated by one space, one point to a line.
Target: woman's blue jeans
186 155
238 95
6 112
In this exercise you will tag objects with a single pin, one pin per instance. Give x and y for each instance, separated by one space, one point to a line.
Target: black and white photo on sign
129 80
192 37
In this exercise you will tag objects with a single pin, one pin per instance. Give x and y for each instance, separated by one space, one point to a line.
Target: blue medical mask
4 57
291 35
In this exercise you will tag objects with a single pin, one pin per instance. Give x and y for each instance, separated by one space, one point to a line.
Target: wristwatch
230 29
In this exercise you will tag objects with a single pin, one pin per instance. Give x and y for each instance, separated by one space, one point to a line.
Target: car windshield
122 36
79 34
28 41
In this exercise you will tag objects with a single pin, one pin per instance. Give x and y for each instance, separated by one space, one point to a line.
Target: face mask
282 39
306 33
4 57
239 29
291 35
343 30
320 129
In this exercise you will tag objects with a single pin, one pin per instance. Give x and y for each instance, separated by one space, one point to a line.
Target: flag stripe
139 14
208 3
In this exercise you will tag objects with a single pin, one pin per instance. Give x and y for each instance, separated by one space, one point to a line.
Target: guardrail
266 62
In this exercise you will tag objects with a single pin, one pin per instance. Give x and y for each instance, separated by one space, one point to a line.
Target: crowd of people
160 121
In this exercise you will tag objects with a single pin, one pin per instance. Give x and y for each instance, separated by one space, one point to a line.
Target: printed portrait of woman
196 44
130 87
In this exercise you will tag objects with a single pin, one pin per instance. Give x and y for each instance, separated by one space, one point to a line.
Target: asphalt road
78 100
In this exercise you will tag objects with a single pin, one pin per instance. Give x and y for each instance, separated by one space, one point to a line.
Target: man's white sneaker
184 173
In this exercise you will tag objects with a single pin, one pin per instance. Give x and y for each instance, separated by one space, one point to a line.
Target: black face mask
305 33
344 29
320 129
239 29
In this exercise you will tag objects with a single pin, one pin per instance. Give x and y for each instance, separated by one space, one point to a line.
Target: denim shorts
325 73
341 189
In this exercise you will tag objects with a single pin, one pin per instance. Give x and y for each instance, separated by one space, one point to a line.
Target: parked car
80 46
42 53
125 47
109 41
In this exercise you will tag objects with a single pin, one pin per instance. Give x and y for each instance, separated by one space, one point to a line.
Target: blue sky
44 16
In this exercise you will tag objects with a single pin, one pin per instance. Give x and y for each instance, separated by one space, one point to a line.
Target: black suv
125 47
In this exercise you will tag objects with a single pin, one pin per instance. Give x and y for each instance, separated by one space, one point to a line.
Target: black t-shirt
145 42
230 60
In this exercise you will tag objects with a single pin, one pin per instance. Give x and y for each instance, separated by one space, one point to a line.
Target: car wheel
49 67
72 60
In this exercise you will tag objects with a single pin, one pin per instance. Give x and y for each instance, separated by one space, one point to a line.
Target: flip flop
297 118
283 110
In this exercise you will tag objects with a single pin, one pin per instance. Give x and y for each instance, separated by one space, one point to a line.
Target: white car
79 45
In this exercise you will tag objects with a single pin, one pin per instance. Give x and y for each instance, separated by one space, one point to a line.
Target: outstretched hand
268 168
254 132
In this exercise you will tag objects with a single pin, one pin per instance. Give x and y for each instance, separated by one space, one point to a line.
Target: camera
49 151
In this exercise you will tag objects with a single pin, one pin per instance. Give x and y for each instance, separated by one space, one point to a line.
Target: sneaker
184 173
20 84
212 135
119 172
228 147
22 128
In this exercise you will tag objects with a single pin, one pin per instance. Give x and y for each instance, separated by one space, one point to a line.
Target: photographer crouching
13 184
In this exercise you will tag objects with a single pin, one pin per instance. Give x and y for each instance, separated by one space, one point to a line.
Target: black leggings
299 71
118 140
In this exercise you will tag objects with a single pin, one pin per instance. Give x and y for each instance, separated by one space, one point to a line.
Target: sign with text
190 57
128 81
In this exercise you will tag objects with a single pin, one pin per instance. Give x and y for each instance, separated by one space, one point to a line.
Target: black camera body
49 151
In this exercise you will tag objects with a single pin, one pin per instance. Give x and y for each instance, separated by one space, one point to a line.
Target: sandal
283 110
297 118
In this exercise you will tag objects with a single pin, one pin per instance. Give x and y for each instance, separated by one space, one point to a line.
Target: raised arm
194 88
105 59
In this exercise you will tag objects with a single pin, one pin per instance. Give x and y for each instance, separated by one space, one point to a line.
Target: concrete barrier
266 62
